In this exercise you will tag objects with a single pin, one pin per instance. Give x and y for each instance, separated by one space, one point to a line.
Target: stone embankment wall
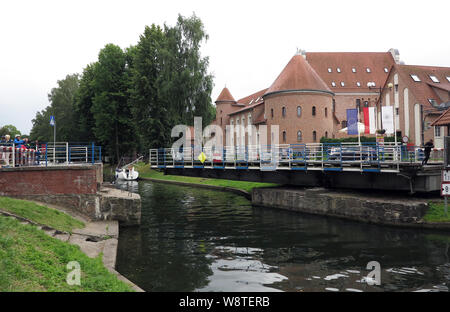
76 187
356 206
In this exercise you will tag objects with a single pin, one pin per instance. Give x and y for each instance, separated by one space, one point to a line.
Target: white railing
323 156
45 154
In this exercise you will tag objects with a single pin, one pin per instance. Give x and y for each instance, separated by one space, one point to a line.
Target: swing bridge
386 166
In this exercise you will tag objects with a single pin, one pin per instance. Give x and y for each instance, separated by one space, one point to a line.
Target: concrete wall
74 187
340 204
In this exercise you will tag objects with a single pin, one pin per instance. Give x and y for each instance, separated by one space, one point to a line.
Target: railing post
93 152
100 154
67 152
46 149
14 155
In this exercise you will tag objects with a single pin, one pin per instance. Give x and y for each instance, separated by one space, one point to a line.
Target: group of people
25 153
25 143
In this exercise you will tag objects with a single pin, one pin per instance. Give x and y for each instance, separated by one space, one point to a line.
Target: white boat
128 172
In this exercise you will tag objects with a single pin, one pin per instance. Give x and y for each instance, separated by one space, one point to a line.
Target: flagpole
357 126
54 142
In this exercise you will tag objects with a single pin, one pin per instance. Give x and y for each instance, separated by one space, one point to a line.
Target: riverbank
37 243
369 207
430 215
239 187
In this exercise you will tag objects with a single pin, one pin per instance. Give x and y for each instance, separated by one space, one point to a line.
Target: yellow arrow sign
202 157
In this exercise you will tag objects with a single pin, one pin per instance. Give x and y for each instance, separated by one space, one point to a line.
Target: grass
436 212
30 260
146 172
40 214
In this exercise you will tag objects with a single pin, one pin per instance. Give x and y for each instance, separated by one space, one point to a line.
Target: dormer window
432 102
448 78
368 70
386 70
338 70
342 84
250 102
434 78
353 70
329 69
415 78
358 84
333 84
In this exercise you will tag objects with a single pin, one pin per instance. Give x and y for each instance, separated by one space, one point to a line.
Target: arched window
283 112
299 136
299 111
271 113
326 112
314 111
314 136
326 134
344 124
284 136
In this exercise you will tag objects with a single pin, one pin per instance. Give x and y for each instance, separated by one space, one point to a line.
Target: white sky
250 41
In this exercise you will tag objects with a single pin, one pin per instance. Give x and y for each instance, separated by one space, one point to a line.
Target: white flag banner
372 120
387 118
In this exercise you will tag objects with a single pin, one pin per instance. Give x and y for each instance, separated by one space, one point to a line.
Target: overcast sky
249 41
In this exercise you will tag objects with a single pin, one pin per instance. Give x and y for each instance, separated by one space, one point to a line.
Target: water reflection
202 240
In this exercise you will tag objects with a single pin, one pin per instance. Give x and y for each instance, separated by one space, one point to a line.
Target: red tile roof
377 62
253 98
298 75
422 90
443 120
248 107
225 96
443 85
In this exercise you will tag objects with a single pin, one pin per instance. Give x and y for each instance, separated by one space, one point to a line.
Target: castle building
310 97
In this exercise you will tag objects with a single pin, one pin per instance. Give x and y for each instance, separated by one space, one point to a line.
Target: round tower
301 104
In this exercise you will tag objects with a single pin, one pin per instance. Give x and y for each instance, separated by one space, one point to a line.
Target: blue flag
352 121
52 121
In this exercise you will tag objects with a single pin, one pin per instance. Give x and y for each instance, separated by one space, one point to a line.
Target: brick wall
48 181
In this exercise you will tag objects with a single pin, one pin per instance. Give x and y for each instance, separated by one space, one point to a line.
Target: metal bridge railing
48 154
370 157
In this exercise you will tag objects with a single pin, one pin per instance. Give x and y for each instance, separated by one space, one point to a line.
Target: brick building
309 99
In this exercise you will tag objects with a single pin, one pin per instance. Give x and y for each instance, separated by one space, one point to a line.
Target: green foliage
146 172
150 113
364 139
9 129
171 84
114 126
83 104
436 212
129 100
40 214
62 100
30 260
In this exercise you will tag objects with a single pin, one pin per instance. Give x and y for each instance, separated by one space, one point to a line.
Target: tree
62 99
83 104
150 114
9 129
185 82
171 84
110 107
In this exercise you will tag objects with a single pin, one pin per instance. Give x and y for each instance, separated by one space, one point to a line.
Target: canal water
194 239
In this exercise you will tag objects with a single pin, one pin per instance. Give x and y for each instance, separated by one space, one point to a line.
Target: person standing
428 146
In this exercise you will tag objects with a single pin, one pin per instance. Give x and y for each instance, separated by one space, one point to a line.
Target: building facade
310 97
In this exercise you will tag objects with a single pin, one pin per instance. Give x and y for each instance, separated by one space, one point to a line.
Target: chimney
396 55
